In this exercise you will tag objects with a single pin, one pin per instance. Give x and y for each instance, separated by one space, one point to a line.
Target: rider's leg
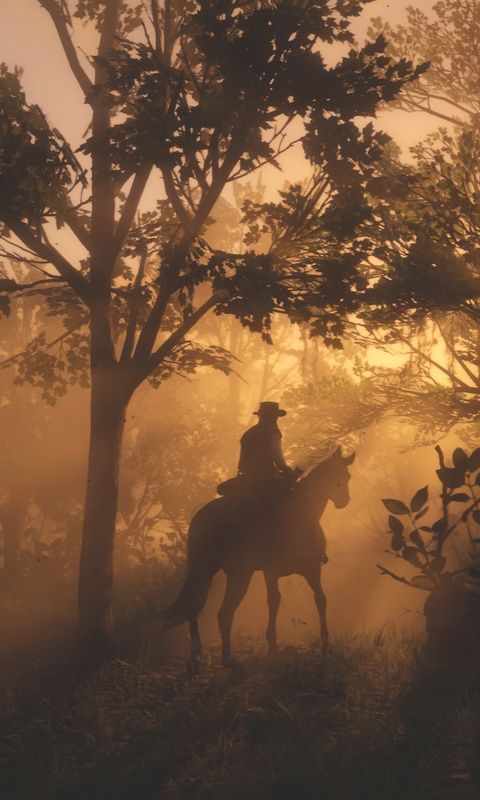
237 585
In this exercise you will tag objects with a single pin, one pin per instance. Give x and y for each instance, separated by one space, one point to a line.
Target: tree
448 41
201 93
428 271
425 277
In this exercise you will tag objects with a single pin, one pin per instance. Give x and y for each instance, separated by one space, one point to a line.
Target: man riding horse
263 473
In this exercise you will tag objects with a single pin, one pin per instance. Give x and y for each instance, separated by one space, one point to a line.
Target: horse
241 537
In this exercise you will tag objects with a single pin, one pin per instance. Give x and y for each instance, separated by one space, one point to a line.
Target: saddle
263 496
243 486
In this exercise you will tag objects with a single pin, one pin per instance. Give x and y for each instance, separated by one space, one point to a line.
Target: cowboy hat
270 409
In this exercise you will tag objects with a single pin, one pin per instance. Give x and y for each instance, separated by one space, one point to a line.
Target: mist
239 374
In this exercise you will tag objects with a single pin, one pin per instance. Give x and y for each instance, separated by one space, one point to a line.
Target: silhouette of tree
424 276
432 235
448 40
202 93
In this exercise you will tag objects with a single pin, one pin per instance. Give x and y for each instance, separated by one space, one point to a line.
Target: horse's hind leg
313 580
273 600
237 585
195 644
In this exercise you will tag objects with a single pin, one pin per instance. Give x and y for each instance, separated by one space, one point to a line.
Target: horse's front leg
273 600
237 585
195 645
314 581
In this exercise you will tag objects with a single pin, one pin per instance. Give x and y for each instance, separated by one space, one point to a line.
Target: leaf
476 515
460 497
422 582
4 305
477 479
474 461
421 513
396 526
460 459
8 285
419 499
440 525
451 478
397 541
437 564
410 555
417 540
395 506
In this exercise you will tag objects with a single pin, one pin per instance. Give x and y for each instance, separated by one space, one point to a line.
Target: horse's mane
314 472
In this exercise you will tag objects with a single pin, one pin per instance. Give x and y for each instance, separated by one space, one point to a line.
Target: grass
365 719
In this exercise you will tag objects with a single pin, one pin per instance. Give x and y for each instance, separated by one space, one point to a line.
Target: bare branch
176 337
130 208
60 22
172 195
156 27
51 255
132 321
76 225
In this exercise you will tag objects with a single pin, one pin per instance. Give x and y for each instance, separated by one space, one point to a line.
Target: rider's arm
241 459
278 457
241 463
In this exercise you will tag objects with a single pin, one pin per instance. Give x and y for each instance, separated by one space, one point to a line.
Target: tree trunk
107 417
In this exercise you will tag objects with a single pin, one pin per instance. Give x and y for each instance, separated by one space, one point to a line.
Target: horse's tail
202 564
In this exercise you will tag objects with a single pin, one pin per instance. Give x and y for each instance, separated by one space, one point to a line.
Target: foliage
427 229
424 280
423 266
36 164
204 106
448 90
423 545
334 408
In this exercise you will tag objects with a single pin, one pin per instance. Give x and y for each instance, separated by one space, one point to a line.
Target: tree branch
182 214
455 355
51 255
60 22
76 225
130 208
176 337
132 321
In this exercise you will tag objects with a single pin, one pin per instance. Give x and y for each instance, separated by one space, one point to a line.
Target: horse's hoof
193 667
236 668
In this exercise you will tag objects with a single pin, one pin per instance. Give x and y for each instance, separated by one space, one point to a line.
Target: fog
181 440
182 436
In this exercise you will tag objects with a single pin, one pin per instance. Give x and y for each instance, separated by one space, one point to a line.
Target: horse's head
333 476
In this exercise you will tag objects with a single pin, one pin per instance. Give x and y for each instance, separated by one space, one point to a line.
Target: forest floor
366 718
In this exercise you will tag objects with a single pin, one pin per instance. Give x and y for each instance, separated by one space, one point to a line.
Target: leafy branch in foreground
423 545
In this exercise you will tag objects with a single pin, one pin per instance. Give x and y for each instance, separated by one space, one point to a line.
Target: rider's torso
257 453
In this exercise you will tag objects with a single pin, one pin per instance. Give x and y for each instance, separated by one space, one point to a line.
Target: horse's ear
337 455
350 459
